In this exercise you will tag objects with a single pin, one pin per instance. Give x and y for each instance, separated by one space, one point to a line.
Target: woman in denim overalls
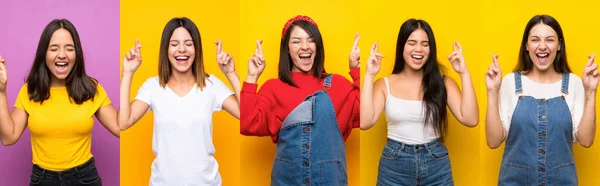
415 154
543 109
307 112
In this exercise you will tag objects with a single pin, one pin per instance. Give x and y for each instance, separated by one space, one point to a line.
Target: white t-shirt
508 97
182 138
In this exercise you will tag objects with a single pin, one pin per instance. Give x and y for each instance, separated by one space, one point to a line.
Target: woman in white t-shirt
183 97
540 109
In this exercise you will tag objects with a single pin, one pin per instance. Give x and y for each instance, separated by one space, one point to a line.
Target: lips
61 67
418 59
181 59
542 57
305 58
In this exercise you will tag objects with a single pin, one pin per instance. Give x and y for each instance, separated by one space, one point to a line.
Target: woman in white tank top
415 154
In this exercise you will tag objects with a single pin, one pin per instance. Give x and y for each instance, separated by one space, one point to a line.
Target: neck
182 77
412 74
55 82
544 76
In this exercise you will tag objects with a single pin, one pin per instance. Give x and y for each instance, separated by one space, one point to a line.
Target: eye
53 49
311 40
174 44
411 43
295 41
189 44
425 44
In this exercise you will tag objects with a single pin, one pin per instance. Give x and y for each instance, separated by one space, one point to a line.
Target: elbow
493 145
471 122
587 144
8 142
365 125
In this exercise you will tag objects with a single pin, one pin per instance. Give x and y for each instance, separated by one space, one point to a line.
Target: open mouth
305 58
542 57
418 59
61 66
181 59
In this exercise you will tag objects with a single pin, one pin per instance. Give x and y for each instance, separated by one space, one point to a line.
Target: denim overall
311 149
539 145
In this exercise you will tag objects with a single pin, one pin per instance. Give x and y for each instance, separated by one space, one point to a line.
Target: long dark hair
164 66
285 60
80 86
560 64
434 89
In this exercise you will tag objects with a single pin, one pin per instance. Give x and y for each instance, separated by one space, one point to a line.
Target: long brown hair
164 66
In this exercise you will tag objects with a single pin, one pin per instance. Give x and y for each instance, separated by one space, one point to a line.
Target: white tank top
406 120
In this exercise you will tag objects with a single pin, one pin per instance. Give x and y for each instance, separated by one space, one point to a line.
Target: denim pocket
89 176
390 153
36 176
513 174
439 152
333 173
283 172
565 174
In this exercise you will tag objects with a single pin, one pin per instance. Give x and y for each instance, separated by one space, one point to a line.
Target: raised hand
457 60
590 74
224 60
354 59
374 61
493 77
256 63
3 75
133 59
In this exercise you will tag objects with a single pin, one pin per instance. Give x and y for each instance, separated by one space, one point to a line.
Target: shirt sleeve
101 96
579 99
22 99
355 98
220 91
255 110
507 94
145 92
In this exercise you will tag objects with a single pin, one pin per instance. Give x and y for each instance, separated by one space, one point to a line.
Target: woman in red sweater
307 112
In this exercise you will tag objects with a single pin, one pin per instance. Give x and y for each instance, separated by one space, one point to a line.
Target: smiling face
181 51
542 46
302 50
60 55
416 49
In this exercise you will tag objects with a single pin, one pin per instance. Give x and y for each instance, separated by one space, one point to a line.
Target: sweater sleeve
354 98
255 110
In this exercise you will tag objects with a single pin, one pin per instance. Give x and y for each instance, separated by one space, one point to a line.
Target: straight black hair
80 86
433 86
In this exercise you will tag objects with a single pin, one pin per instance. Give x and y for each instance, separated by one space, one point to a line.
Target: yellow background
145 20
337 21
450 21
503 24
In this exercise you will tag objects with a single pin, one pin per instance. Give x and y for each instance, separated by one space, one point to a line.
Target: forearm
468 106
124 103
494 131
234 80
367 110
587 124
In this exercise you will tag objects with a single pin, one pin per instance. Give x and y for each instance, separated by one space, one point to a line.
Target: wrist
251 79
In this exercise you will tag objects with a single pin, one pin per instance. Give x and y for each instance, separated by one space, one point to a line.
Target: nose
62 54
419 48
304 45
181 49
543 45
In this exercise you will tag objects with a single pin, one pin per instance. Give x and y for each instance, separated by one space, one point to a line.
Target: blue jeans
422 164
85 174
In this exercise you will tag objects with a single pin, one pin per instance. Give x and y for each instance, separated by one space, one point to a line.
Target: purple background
21 25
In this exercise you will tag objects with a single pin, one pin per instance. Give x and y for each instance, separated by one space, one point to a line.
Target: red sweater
263 113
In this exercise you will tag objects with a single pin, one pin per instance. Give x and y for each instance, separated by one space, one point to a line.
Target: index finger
219 46
137 46
259 46
591 60
457 46
495 60
356 38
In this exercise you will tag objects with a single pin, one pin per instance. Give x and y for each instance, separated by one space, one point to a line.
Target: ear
559 44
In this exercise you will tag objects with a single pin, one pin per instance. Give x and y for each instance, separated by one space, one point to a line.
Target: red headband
297 18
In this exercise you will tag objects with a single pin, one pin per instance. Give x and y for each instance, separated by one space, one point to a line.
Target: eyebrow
183 41
56 45
412 40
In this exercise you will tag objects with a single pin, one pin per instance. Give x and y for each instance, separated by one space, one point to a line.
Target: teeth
181 57
61 64
305 55
542 55
417 56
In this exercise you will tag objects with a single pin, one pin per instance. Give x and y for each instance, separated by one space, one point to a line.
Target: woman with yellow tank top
57 84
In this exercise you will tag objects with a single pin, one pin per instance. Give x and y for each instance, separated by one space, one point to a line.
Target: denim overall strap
565 84
518 87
